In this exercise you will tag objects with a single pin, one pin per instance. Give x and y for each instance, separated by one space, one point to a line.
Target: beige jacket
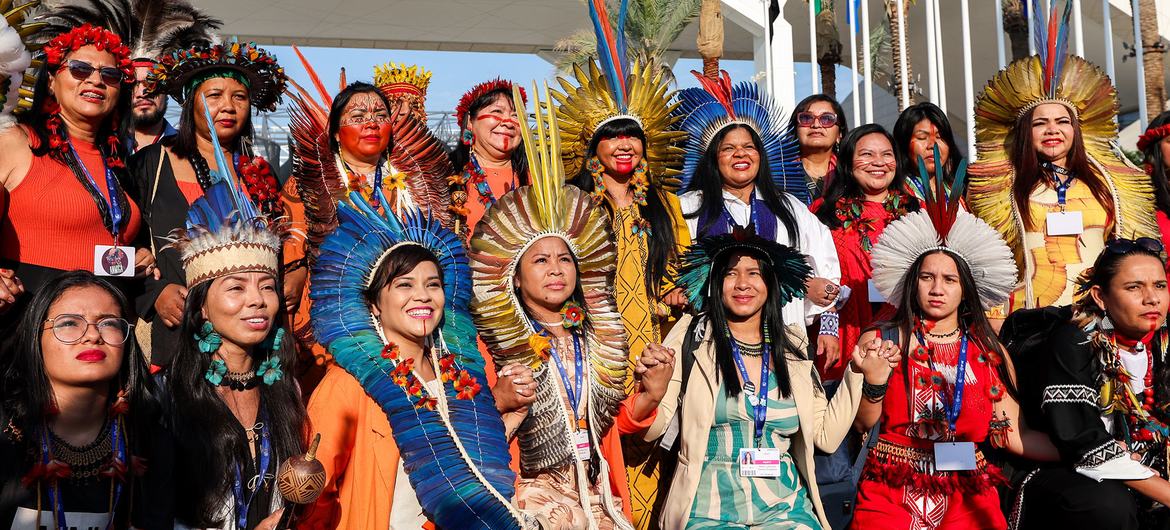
823 423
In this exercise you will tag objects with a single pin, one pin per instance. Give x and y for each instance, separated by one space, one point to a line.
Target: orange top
52 220
501 181
192 191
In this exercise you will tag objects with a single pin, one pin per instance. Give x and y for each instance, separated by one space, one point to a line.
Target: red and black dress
900 489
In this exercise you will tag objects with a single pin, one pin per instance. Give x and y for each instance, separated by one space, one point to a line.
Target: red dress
857 313
899 489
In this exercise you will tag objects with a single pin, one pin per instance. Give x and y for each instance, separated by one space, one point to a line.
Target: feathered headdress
174 73
479 90
458 466
225 233
322 180
548 208
789 267
16 87
150 28
1051 77
703 112
618 90
400 82
942 224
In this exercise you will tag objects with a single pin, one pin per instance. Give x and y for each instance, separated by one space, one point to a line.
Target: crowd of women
611 306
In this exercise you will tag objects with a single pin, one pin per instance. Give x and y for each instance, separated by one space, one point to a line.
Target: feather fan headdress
704 112
225 233
942 224
1052 76
618 90
321 179
149 27
789 267
548 208
16 87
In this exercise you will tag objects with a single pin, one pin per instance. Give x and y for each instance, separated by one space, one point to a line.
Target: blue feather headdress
789 267
225 233
703 112
1051 41
458 466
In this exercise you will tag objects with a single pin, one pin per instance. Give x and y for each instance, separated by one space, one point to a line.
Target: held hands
515 389
875 360
654 369
10 289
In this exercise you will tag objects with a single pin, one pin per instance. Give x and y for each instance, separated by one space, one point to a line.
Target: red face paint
366 140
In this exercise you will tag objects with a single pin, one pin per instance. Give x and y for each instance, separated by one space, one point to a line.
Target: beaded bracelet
830 323
874 393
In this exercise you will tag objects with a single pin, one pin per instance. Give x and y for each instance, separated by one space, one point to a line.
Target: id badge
113 261
875 296
759 462
1065 224
581 442
954 456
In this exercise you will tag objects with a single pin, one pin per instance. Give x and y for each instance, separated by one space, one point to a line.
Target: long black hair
338 108
1156 166
972 316
708 180
210 439
27 393
186 143
844 185
462 153
661 242
807 102
771 324
904 133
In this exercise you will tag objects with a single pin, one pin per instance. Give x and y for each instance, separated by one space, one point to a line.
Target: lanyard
1060 187
117 443
956 404
114 207
578 364
764 225
759 401
377 184
242 507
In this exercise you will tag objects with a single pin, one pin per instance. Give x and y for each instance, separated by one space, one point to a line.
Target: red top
192 191
52 220
857 313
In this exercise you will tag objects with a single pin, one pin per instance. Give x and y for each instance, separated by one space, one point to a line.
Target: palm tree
828 47
1152 50
896 49
1015 24
651 27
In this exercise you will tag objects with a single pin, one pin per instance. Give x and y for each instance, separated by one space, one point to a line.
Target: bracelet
830 323
874 393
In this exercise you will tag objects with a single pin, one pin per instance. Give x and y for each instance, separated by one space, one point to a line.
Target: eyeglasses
70 329
826 120
1125 246
81 70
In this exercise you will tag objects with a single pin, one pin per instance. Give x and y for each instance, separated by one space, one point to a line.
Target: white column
1107 28
1032 18
1078 29
853 62
866 63
942 63
775 62
931 52
999 34
1141 67
968 81
812 47
904 77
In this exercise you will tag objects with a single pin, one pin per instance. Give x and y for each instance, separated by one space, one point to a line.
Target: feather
14 60
1061 46
1039 33
607 52
150 28
325 97
790 269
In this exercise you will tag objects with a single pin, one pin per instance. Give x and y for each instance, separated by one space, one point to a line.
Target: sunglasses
81 70
826 120
1125 246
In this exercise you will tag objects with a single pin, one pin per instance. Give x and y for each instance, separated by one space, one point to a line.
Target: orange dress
500 181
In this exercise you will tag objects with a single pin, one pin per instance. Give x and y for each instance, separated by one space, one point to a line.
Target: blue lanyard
115 207
575 394
758 401
1060 187
378 177
118 443
764 226
242 507
956 405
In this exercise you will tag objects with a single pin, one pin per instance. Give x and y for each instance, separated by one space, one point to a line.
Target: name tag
1065 223
954 456
875 296
759 462
581 441
113 261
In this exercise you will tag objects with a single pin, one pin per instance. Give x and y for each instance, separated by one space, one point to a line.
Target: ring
831 289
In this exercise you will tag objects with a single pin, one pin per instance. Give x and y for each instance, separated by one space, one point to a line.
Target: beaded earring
639 183
468 137
207 338
270 370
594 167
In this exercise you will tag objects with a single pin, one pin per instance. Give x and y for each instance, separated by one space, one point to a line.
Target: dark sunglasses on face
81 70
1125 246
826 120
